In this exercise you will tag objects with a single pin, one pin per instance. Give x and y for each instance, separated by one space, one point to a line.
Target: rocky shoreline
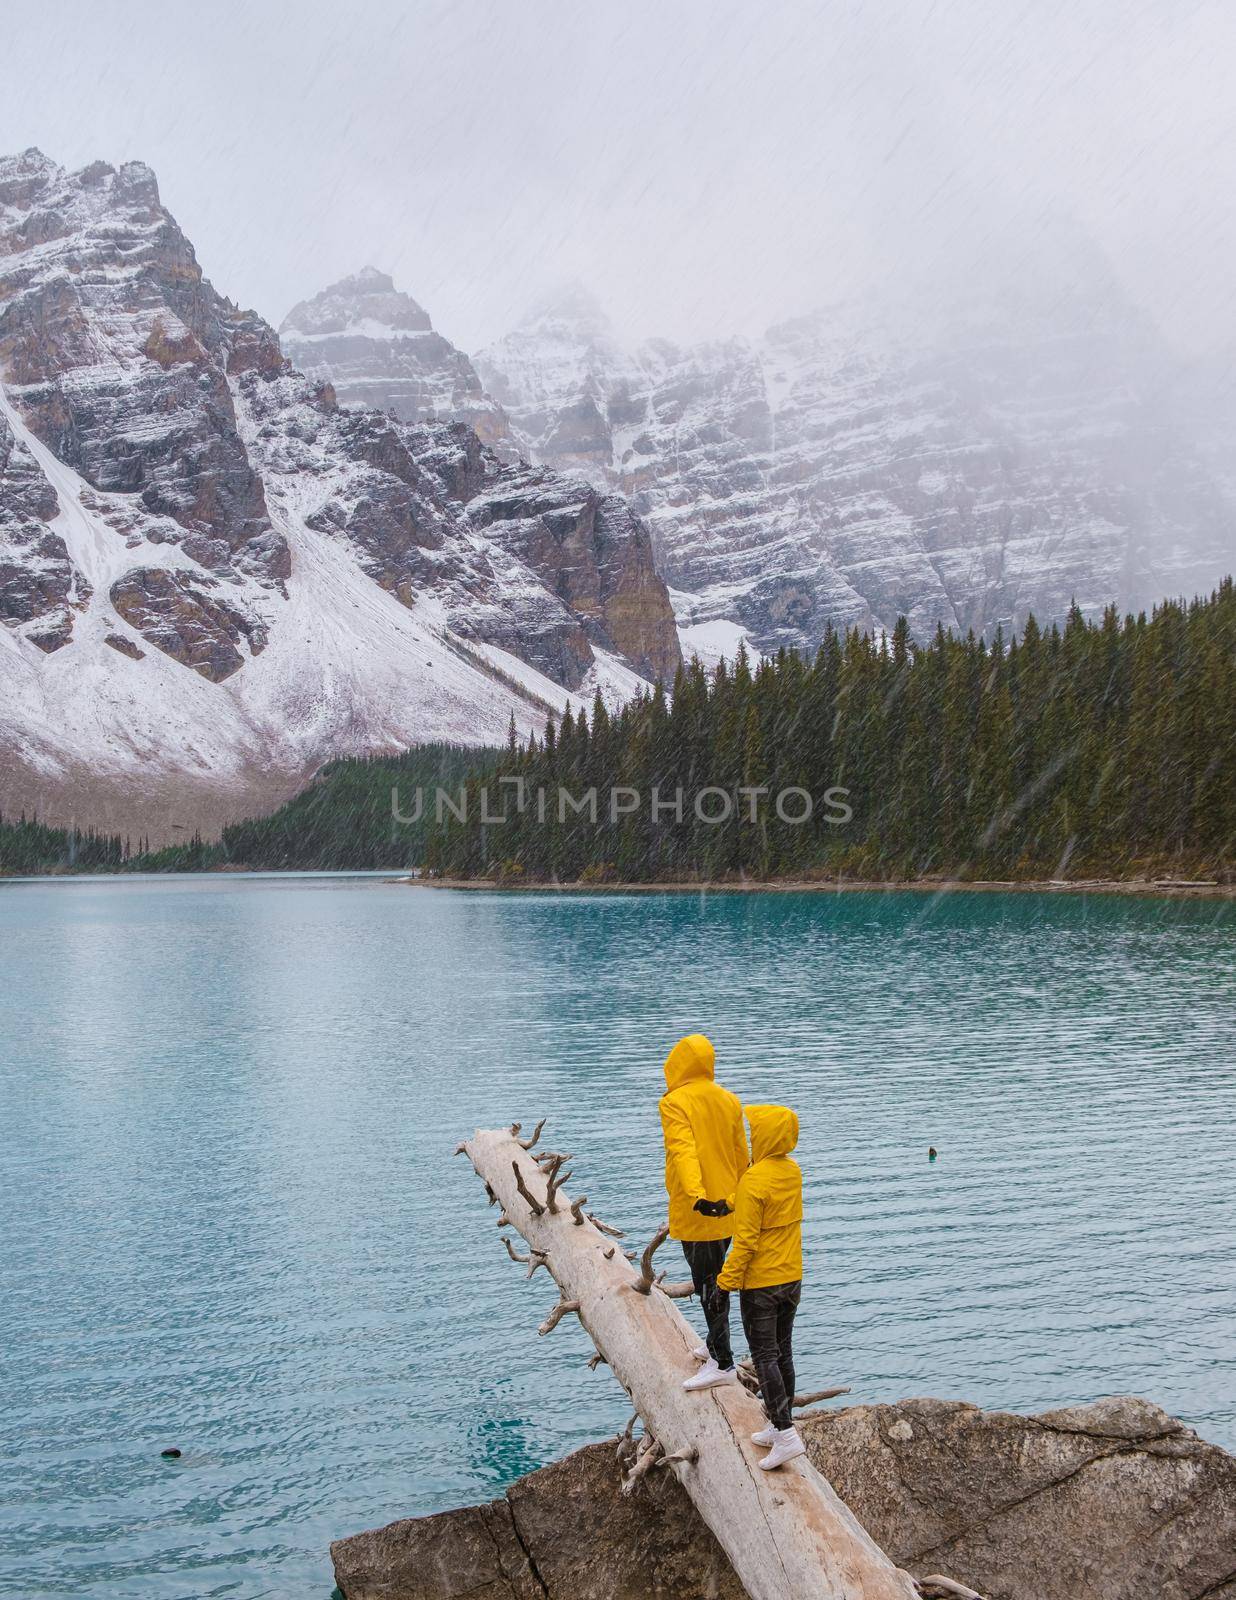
1115 1500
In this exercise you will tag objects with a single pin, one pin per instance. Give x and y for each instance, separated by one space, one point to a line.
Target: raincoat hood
767 1224
691 1058
705 1141
774 1131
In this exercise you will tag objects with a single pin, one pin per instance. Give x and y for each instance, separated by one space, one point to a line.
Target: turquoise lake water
232 1222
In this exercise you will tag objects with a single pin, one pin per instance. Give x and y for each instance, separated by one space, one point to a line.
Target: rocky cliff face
115 351
1007 455
40 588
213 576
1111 1501
379 349
376 348
592 551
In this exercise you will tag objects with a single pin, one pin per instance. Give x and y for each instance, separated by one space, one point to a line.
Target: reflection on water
234 1226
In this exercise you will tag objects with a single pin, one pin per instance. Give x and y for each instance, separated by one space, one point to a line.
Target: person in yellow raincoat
705 1155
765 1266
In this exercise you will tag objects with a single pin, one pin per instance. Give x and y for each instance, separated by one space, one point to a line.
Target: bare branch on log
649 1452
504 1221
577 1210
644 1286
562 1309
819 1394
555 1182
937 1588
626 1443
676 1291
490 1195
534 1259
690 1456
527 1144
461 1149
545 1158
534 1205
614 1233
608 1252
595 1361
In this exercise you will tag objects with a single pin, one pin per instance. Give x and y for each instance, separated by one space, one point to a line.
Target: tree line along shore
1097 752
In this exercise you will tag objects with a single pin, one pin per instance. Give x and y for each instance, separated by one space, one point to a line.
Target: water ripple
233 1224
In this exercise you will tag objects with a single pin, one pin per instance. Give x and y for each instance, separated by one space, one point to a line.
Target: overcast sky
705 167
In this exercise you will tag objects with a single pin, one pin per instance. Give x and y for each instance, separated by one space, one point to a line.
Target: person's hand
712 1208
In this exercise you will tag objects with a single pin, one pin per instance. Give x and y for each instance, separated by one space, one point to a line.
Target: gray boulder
1110 1501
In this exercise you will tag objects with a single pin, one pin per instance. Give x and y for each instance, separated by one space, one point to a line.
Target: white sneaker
765 1436
710 1376
785 1446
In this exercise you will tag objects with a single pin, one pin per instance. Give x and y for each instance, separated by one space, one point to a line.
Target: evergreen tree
1104 747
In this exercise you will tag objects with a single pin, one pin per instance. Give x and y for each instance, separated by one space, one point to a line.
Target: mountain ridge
377 347
1008 454
962 462
213 578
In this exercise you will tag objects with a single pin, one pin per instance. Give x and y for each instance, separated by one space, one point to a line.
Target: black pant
706 1257
768 1322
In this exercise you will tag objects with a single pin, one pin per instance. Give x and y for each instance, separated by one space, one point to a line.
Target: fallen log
786 1533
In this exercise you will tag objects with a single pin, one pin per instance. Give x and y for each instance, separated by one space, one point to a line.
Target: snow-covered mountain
378 348
213 577
1006 454
569 384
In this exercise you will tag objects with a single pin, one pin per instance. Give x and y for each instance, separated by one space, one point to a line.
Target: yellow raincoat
705 1147
768 1214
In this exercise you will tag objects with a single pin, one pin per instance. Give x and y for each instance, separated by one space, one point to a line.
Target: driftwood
937 1588
803 1400
786 1533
